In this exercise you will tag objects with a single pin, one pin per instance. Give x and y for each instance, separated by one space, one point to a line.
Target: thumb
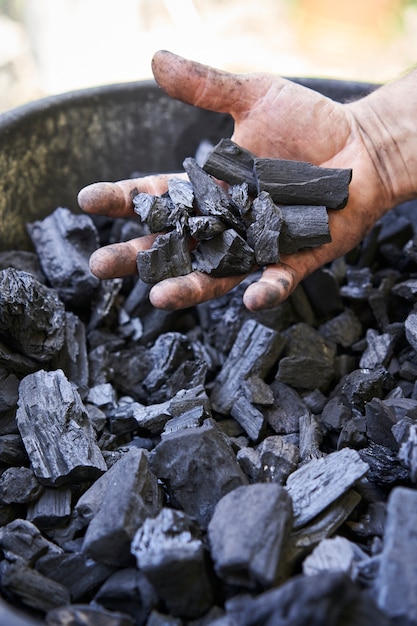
203 86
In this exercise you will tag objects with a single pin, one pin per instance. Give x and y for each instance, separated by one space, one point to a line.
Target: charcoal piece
303 227
181 192
198 467
308 362
240 196
97 417
127 495
19 485
20 538
204 227
287 409
51 509
322 526
315 400
64 243
32 317
337 472
129 591
254 352
359 284
263 235
298 182
189 374
322 289
168 352
187 399
211 198
353 431
258 391
103 301
385 468
227 254
379 349
380 417
55 429
134 416
129 368
311 438
31 588
81 576
249 417
408 452
406 289
231 163
248 533
72 358
335 413
394 588
170 552
189 419
156 618
411 329
272 461
9 385
15 362
168 256
86 615
337 554
329 598
360 386
154 211
371 523
345 329
12 450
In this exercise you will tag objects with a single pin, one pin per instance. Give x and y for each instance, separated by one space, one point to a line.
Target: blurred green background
53 46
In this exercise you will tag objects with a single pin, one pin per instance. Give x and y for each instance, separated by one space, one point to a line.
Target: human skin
375 136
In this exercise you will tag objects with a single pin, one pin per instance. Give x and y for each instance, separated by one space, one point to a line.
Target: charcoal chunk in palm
154 211
32 317
168 256
228 254
264 232
64 242
303 227
230 162
299 182
204 227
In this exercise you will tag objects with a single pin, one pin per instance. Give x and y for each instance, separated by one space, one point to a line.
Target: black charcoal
64 242
57 434
19 485
12 450
285 412
311 437
73 358
32 317
345 329
361 385
249 417
379 349
337 554
128 591
408 452
298 182
22 540
385 467
263 234
338 472
204 227
248 534
154 211
198 467
51 509
380 418
170 552
130 494
227 254
230 162
168 256
254 352
86 615
303 227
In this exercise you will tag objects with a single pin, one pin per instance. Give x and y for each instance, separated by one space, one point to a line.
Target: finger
206 87
119 259
116 199
275 285
185 291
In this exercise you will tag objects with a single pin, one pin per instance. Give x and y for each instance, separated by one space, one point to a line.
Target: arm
275 117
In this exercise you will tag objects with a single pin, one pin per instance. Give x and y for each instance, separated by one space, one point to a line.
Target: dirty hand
277 118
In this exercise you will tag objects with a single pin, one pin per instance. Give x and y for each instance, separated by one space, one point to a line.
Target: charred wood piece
229 162
264 232
303 227
227 254
168 256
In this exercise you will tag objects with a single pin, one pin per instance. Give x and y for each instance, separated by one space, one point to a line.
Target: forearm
387 121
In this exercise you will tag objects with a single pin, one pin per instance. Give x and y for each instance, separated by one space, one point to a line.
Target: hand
274 117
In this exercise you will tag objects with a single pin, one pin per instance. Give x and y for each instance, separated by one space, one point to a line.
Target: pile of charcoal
210 466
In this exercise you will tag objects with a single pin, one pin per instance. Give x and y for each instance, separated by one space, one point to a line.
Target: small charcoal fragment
248 533
32 317
57 434
227 254
129 591
168 256
170 552
204 227
87 615
298 182
19 485
249 417
263 234
154 211
229 162
337 554
303 227
64 242
20 538
52 509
